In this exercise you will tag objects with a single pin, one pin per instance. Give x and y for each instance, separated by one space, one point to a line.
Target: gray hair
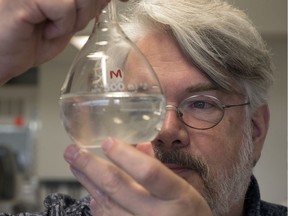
217 38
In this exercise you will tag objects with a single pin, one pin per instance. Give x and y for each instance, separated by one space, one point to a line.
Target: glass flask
111 89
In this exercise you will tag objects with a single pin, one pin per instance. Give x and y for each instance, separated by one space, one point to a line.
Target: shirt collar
252 199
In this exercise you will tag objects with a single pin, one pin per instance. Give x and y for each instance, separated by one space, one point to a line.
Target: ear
260 124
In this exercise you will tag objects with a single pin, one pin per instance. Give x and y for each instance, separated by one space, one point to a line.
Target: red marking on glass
116 74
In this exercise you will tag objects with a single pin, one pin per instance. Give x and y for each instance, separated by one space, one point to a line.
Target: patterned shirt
254 206
63 205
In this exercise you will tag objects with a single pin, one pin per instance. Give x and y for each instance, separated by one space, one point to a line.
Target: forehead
175 72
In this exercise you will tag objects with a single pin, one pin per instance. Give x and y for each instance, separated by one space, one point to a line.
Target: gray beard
223 189
228 187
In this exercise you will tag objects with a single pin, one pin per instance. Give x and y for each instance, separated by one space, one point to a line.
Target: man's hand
34 31
133 183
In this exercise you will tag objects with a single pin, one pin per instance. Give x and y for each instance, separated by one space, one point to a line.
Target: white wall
272 168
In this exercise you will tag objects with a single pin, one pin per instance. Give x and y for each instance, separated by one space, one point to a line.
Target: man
215 72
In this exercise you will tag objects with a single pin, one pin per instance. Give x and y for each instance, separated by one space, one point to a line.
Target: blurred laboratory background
32 139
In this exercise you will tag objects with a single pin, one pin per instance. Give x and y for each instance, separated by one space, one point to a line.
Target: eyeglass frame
219 102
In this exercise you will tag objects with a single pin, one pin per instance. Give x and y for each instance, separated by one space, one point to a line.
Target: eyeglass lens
201 111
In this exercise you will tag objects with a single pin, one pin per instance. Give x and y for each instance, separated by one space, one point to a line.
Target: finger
59 17
146 148
87 10
149 172
94 172
96 209
102 205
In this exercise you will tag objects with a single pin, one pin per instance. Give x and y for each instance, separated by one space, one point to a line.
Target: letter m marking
115 74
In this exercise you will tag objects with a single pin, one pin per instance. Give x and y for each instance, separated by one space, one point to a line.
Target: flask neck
109 13
107 25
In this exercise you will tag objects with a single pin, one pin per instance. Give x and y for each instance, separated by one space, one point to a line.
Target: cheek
218 146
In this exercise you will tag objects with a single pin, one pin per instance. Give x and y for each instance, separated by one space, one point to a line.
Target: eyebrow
202 87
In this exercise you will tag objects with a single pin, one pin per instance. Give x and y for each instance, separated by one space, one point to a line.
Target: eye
201 105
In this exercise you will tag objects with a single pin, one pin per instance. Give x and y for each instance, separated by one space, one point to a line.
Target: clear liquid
131 117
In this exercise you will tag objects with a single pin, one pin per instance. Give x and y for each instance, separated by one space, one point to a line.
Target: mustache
183 159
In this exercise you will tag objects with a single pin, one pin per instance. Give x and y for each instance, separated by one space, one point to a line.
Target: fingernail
107 144
71 153
96 209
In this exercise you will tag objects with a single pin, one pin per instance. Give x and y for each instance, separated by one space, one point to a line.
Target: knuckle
80 24
112 180
149 173
83 160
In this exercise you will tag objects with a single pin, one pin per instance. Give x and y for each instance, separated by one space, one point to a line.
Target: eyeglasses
202 112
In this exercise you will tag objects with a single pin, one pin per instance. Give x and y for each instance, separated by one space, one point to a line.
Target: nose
173 133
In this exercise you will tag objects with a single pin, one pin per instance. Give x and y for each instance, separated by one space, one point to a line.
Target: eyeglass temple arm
235 105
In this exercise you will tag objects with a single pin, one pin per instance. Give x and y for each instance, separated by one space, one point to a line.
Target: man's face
212 160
